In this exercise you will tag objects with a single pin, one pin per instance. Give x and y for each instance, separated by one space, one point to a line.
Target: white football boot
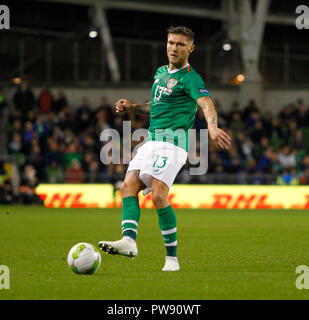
171 264
125 247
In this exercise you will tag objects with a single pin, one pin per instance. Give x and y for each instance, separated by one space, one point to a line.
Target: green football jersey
173 106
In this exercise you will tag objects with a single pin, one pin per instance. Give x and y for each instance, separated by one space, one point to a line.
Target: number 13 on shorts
159 163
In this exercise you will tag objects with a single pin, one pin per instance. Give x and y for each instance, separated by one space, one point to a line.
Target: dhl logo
219 201
252 201
228 201
66 200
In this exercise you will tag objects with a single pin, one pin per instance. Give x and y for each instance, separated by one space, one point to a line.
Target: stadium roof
144 19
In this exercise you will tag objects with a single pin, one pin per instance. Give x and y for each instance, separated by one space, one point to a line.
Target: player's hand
123 105
221 137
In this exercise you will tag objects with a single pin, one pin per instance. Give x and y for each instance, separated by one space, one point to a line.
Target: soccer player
176 93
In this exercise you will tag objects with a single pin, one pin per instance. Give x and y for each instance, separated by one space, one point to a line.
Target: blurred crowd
52 141
267 148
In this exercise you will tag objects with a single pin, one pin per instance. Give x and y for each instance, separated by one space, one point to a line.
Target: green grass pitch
223 255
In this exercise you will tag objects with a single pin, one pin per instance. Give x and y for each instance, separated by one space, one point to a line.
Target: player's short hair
181 30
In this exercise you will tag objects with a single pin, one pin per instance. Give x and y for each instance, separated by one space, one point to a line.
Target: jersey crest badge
171 83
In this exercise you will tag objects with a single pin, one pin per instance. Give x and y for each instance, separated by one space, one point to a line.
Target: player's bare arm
125 105
210 113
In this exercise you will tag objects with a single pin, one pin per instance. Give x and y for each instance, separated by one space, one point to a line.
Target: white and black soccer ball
84 258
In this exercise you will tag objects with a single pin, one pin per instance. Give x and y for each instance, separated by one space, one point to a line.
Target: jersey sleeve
194 86
159 70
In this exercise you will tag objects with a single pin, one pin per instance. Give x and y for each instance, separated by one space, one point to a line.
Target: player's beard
179 63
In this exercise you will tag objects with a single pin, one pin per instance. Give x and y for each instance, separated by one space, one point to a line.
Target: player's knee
159 200
123 187
128 188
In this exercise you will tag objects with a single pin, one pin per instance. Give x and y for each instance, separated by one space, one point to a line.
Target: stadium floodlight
17 80
240 78
93 34
227 47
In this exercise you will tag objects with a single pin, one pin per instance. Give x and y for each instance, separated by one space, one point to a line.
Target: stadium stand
51 143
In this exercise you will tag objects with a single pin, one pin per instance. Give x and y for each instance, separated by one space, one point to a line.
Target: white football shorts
160 160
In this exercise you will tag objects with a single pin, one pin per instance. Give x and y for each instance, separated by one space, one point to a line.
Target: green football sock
130 216
167 222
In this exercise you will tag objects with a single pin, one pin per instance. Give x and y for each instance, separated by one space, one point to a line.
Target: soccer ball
84 258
